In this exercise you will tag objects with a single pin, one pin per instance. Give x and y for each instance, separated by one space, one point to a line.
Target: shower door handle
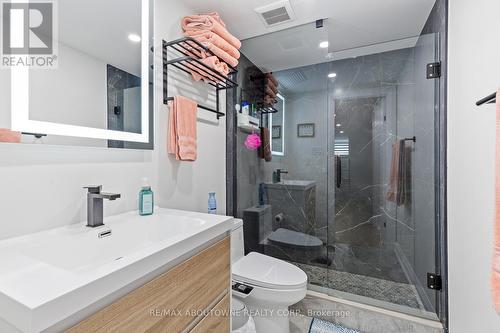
338 169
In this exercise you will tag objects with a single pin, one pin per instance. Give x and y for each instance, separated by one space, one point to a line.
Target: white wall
186 185
42 185
474 72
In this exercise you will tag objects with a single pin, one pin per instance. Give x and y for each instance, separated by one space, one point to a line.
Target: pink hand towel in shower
181 140
392 191
495 274
6 135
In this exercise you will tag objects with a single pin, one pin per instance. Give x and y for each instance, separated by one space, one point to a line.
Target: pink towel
212 62
270 92
392 192
268 100
208 38
271 77
7 135
209 23
216 16
223 55
270 84
182 136
495 275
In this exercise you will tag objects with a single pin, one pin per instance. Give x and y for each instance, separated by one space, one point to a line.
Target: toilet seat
267 272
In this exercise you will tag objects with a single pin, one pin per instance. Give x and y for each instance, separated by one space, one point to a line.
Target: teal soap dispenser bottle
146 199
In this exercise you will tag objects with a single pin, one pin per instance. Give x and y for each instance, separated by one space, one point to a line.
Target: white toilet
266 285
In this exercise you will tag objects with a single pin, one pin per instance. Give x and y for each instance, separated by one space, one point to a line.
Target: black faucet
278 173
95 205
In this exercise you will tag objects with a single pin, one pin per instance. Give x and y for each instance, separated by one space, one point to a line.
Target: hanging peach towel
181 140
392 191
495 274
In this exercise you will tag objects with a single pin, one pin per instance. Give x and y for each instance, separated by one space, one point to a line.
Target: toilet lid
268 272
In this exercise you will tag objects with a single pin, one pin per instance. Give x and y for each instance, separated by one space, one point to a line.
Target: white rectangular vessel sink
48 276
292 184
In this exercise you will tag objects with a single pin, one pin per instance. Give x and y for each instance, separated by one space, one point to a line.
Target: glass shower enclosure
355 138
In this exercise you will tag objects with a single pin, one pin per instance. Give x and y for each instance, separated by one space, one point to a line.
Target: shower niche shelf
187 58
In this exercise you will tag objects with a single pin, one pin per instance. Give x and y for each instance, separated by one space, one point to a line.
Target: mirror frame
20 100
282 152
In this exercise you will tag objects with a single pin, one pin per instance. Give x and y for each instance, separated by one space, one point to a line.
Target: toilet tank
237 241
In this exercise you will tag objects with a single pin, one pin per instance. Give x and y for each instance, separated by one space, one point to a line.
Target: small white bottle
212 203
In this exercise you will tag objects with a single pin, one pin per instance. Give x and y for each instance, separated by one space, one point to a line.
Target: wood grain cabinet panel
217 321
170 302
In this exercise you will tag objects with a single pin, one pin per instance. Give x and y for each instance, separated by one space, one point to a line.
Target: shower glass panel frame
391 246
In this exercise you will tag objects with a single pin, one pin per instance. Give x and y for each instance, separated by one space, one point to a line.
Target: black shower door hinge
434 281
434 70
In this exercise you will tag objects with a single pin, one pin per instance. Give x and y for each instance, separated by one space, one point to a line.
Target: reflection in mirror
277 126
98 82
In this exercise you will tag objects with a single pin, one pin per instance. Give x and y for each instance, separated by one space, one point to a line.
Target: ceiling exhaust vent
292 79
276 13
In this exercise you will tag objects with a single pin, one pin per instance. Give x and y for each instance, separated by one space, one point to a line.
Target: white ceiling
350 24
368 20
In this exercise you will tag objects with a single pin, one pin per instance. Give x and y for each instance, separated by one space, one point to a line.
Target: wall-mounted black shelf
188 59
490 99
265 110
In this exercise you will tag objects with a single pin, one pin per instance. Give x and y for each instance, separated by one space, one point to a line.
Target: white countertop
48 276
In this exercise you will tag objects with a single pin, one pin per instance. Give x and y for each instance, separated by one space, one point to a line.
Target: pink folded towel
271 77
212 62
209 23
270 84
269 101
182 135
7 135
223 55
270 92
495 272
216 16
207 38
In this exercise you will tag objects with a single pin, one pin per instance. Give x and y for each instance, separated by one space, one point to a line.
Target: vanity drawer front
217 321
165 304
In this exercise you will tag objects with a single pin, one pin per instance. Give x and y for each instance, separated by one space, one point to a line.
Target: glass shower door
383 180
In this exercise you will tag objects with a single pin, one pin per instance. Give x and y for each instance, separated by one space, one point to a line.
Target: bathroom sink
49 276
293 184
85 251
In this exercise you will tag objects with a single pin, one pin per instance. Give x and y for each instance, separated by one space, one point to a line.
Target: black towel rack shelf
265 110
490 99
414 139
187 60
36 135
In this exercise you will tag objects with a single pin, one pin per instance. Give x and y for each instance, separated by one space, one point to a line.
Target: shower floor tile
367 286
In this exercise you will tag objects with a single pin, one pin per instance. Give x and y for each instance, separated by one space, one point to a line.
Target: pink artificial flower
253 141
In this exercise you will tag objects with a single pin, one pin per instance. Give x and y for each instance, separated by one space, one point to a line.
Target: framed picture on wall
276 132
305 130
